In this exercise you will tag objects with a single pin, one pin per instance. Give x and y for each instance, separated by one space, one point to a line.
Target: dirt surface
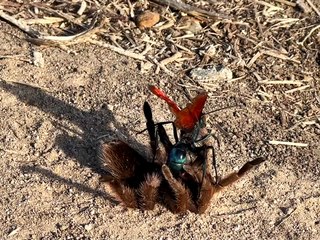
54 117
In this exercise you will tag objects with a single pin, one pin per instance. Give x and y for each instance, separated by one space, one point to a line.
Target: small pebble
38 59
89 227
215 74
148 19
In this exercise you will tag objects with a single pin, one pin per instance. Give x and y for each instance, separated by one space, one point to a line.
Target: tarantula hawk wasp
191 122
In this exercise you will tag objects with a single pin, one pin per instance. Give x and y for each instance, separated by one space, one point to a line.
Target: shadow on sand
83 148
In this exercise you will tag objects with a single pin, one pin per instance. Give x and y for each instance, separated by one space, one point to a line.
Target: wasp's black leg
205 165
203 152
150 127
175 133
214 161
164 138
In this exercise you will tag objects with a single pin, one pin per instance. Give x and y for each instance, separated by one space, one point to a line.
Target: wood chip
291 4
309 34
18 23
38 59
165 25
14 232
253 59
173 58
82 8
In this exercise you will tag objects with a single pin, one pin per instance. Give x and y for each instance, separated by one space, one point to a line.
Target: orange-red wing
187 118
197 104
174 108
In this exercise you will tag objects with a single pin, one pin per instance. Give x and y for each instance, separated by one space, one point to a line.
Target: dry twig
277 82
280 55
23 27
288 143
309 34
39 39
297 89
118 50
194 11
291 4
313 7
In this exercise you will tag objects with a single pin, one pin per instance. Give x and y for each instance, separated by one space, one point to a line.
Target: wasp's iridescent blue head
177 157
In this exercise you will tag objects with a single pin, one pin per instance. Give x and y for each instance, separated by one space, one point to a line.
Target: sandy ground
54 118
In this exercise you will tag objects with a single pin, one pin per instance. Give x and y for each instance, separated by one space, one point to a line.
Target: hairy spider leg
242 171
206 191
148 191
209 188
131 179
182 194
204 165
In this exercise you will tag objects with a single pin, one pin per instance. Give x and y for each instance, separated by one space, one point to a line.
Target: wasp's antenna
219 109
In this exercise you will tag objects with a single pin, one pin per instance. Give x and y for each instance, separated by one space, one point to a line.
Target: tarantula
181 185
131 179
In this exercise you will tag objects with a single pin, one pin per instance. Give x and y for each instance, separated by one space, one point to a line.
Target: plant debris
254 39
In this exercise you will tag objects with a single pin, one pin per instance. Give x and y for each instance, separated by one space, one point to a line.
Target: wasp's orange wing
197 104
174 108
187 118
